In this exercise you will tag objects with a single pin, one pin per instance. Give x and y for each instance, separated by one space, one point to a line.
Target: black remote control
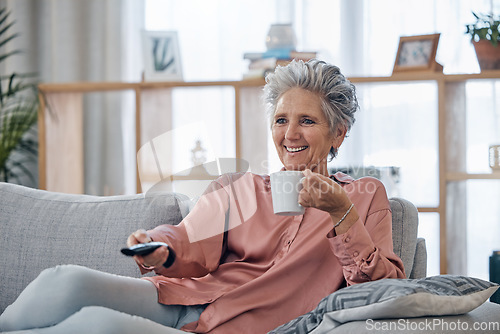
142 249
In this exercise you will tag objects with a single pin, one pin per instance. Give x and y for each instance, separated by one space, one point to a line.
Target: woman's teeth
295 149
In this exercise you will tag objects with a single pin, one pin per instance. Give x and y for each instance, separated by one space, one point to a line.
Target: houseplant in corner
18 116
485 36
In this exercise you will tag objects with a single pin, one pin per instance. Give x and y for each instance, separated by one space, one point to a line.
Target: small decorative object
485 36
281 36
198 154
417 53
495 157
162 60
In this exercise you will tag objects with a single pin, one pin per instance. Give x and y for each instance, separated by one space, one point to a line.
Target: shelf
459 176
401 77
485 75
398 77
428 209
83 87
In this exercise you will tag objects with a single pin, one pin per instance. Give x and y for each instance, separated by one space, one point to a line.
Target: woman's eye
307 121
280 121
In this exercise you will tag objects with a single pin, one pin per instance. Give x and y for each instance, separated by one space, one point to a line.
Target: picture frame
417 53
162 59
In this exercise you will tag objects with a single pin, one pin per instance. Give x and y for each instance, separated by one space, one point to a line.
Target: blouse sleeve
365 251
198 239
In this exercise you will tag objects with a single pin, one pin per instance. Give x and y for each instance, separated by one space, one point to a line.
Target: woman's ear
339 137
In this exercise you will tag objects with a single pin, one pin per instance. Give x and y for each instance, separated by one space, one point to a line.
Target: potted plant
485 36
18 116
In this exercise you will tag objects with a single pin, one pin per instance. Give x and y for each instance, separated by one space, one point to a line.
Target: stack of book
261 63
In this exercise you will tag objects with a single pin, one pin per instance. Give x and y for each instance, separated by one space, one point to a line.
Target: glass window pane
212 109
428 228
483 123
483 225
397 126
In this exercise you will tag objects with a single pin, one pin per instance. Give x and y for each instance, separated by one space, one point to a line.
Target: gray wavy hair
338 95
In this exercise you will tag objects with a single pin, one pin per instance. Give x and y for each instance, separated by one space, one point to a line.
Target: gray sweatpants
74 299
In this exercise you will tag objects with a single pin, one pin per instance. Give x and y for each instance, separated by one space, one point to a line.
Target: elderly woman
232 265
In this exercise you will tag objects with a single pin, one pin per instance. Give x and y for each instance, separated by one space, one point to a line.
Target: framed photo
162 59
417 53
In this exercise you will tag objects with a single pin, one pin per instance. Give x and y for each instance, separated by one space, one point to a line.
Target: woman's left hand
323 193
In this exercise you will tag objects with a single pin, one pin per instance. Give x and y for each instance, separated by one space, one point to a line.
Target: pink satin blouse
274 268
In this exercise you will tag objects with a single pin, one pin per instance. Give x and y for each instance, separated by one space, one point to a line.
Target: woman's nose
292 132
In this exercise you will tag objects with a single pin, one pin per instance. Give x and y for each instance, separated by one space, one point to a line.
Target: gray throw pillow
395 298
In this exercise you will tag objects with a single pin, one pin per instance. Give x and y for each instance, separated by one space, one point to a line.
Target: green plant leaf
7 55
15 120
7 27
6 40
485 27
18 114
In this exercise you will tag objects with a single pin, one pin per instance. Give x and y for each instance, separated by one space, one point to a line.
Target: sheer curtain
94 40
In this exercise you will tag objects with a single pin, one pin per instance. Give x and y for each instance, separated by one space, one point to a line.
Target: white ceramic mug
285 188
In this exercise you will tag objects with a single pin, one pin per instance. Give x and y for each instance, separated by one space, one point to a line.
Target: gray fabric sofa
40 229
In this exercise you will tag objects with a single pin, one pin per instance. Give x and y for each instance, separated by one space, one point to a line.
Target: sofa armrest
404 231
419 269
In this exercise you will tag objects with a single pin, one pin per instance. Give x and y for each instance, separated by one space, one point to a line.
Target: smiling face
301 132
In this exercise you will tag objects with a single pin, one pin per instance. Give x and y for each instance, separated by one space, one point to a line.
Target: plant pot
488 55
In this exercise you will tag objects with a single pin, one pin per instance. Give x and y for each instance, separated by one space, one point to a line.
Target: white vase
281 36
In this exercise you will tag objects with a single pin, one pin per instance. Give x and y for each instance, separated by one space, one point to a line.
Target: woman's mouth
295 149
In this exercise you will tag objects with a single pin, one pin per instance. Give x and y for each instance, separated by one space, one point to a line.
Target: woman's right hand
150 261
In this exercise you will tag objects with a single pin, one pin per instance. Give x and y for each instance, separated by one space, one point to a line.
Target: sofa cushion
41 229
394 298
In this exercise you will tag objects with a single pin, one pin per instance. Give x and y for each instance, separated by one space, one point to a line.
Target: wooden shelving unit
451 108
62 169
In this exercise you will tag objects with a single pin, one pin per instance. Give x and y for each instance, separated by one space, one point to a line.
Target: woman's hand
323 193
155 259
